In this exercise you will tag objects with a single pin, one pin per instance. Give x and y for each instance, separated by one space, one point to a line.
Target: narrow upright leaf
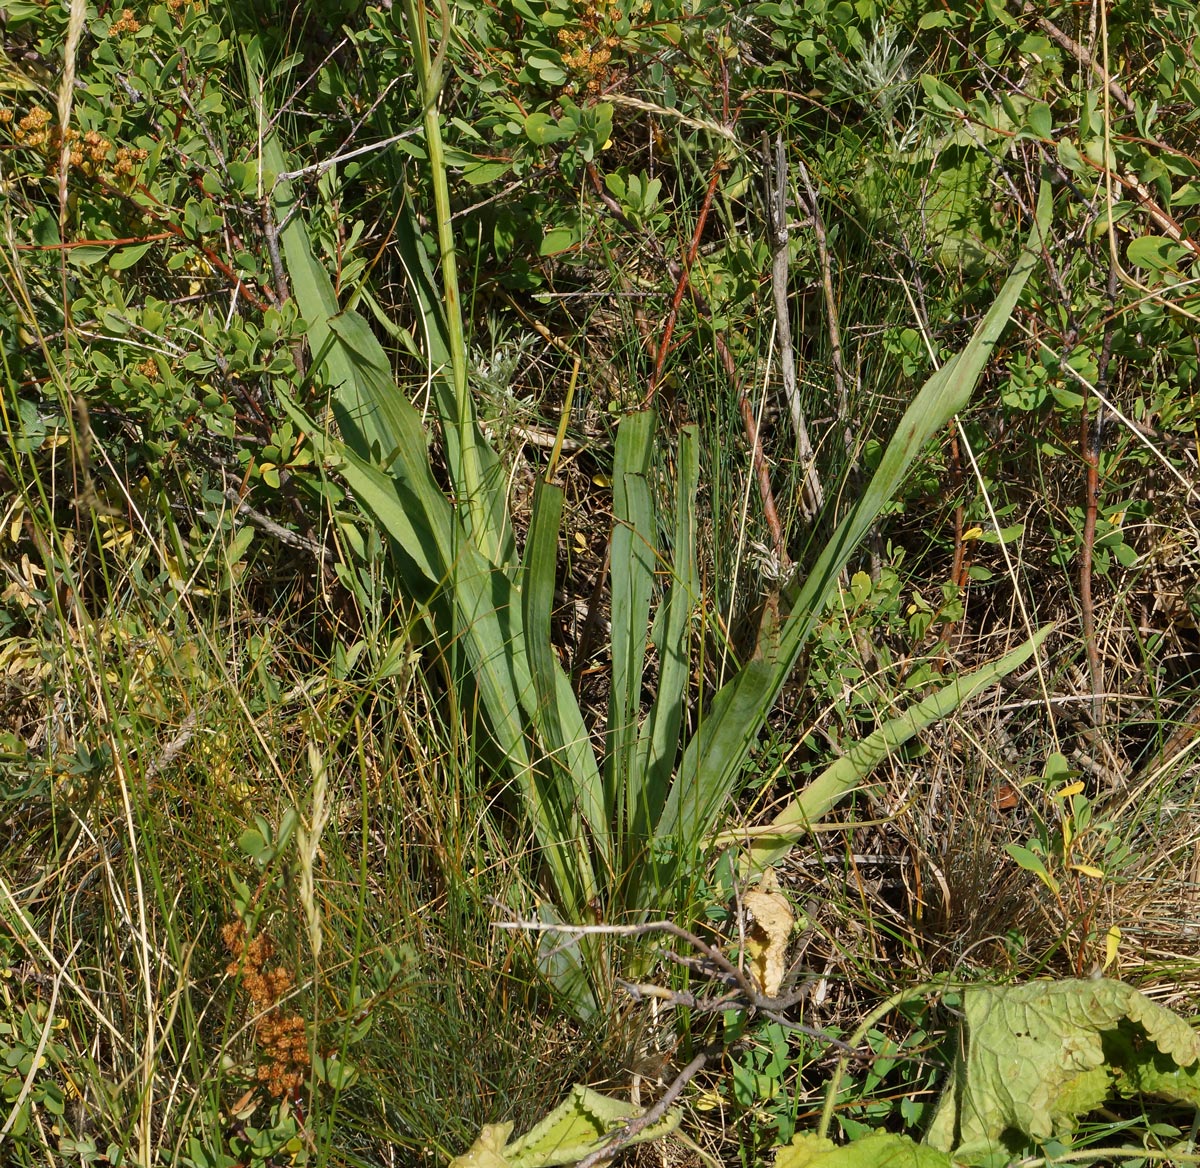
714 757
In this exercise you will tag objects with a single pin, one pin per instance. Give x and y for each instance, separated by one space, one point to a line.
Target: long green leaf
658 744
838 779
438 344
383 430
572 772
632 581
487 612
713 759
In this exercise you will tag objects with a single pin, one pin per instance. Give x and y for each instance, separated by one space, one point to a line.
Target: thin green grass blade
837 780
632 576
713 759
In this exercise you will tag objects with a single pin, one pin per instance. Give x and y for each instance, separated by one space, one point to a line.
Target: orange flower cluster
587 48
282 1037
32 129
126 24
89 151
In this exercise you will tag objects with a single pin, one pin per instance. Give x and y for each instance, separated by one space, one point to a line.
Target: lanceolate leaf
658 745
384 433
713 759
632 573
487 614
570 773
373 413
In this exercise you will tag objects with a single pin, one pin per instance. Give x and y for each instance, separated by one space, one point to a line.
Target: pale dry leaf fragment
769 923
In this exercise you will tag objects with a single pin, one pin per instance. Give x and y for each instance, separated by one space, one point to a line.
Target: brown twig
681 285
726 970
283 290
747 995
625 1134
1080 54
761 470
831 312
268 526
812 497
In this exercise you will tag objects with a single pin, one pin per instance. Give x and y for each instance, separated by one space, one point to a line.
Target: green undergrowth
421 576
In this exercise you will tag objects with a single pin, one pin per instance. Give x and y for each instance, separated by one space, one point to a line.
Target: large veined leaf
1037 1057
577 1127
713 759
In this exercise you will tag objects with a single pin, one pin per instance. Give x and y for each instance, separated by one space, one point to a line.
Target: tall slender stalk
468 473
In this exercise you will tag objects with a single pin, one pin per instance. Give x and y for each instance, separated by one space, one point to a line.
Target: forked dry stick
775 174
747 995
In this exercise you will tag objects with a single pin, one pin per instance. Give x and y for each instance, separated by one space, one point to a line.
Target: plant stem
468 474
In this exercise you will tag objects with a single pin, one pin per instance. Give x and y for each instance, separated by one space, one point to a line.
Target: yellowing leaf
1069 790
876 1150
1035 1058
579 1126
769 923
1112 942
1088 870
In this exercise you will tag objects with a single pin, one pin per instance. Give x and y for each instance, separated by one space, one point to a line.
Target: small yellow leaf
1112 942
1069 790
600 480
972 533
1089 870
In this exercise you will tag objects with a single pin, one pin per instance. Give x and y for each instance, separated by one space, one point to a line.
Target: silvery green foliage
882 84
